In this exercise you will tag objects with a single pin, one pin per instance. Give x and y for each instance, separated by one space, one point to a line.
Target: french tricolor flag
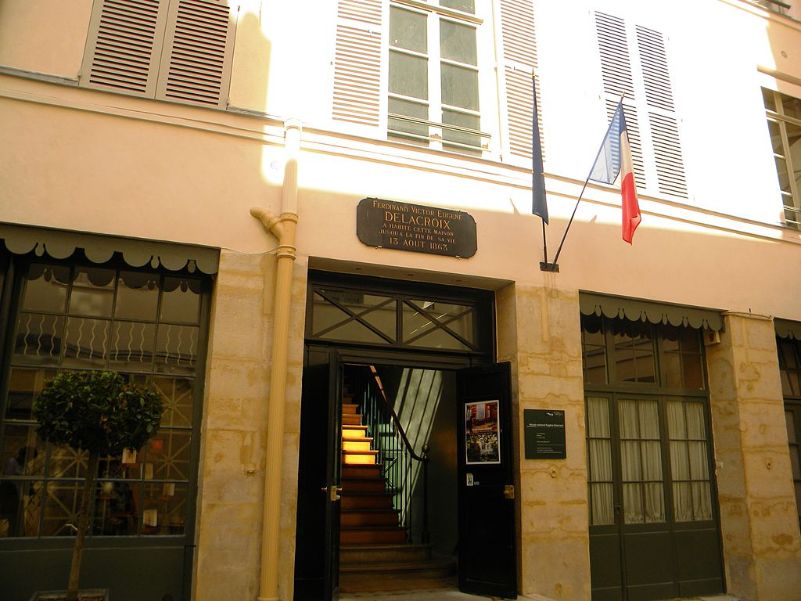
614 158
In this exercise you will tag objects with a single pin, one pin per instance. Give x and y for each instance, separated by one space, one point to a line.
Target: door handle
509 491
332 492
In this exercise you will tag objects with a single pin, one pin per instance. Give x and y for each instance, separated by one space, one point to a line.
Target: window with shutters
634 66
424 72
519 69
784 125
178 50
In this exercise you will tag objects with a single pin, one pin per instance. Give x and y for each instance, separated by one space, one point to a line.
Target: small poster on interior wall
482 434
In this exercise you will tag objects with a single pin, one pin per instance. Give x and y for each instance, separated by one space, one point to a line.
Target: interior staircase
374 554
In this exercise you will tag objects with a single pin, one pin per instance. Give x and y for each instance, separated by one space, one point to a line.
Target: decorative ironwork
362 317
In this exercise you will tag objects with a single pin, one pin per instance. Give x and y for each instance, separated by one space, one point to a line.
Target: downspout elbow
270 222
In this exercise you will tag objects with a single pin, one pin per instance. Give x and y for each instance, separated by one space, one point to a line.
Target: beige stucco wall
538 332
44 36
234 431
758 515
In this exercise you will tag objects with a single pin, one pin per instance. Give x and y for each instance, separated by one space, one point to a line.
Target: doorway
391 378
654 527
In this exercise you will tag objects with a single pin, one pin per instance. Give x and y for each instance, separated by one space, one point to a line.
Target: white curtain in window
600 452
641 462
689 461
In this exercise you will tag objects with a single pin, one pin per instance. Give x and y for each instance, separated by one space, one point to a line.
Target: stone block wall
759 523
539 333
233 437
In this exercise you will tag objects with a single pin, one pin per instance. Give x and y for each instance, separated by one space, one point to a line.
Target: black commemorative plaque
417 228
544 433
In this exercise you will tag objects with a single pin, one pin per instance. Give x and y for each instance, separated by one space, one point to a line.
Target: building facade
261 214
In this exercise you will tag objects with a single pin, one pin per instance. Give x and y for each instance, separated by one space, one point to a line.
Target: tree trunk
84 515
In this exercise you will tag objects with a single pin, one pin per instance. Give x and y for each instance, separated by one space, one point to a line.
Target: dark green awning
635 309
787 329
60 244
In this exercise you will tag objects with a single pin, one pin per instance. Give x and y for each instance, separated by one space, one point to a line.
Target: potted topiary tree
101 413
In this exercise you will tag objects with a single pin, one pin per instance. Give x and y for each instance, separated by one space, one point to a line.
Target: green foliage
97 411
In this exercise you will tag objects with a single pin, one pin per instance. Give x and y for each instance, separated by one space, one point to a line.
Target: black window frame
14 268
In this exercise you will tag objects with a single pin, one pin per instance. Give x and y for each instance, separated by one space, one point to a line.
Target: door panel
332 488
698 561
654 448
606 571
317 530
487 543
649 565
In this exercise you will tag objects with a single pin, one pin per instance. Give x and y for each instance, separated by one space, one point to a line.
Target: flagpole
544 245
554 266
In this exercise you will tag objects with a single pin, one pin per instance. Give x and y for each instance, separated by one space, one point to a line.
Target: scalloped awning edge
786 328
99 248
633 309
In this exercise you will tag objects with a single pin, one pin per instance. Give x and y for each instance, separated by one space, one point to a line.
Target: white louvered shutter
519 64
357 62
198 47
125 46
177 50
618 81
661 113
648 103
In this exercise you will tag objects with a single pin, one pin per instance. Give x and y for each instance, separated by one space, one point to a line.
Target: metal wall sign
417 228
544 433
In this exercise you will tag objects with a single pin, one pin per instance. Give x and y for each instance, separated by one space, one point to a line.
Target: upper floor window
452 75
779 7
433 74
784 125
177 50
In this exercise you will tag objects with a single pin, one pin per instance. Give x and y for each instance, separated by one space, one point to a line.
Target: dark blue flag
539 205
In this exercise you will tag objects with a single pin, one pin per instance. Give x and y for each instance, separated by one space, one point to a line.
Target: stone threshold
455 595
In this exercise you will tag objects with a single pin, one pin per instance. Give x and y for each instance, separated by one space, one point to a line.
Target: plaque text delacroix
417 228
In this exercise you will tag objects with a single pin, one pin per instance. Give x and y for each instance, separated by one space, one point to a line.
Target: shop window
647 431
144 324
619 351
179 50
784 126
790 370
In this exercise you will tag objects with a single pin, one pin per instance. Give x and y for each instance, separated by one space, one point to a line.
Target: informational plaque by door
544 433
417 228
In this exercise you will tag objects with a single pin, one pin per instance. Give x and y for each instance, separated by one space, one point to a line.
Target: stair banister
423 459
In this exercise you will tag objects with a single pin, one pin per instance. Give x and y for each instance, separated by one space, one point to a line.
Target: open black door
317 530
487 549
